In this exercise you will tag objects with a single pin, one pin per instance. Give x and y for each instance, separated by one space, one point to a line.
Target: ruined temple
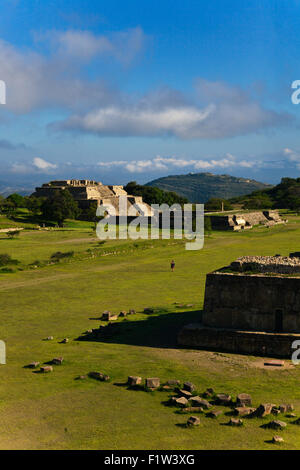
251 306
86 192
244 221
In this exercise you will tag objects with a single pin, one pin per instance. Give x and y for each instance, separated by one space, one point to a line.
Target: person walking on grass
172 265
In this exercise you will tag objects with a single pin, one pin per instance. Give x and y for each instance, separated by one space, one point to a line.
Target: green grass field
55 411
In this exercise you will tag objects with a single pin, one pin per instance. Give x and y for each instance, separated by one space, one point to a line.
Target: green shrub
7 270
7 259
60 255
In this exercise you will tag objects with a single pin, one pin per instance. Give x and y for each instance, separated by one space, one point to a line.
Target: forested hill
200 187
285 195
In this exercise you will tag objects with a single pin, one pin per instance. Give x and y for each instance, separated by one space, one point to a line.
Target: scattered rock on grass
133 381
152 382
264 409
198 401
277 439
173 383
65 340
123 313
286 407
189 386
99 376
243 399
235 422
192 409
193 421
33 365
276 424
106 315
223 399
58 360
45 369
185 393
244 410
181 402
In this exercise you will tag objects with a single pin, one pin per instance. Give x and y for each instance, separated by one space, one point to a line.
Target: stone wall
252 302
268 264
244 342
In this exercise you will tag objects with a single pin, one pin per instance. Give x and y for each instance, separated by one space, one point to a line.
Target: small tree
8 207
13 233
34 204
17 200
59 207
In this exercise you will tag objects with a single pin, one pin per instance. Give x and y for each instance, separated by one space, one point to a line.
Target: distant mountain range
23 190
200 187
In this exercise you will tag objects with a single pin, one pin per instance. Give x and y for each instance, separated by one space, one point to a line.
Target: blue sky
135 90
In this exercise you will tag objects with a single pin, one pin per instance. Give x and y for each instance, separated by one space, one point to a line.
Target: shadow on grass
157 331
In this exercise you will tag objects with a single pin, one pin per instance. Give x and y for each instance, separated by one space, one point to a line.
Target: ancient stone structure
250 312
235 222
86 192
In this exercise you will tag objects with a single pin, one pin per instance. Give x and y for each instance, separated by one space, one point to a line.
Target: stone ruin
251 306
236 222
86 192
268 264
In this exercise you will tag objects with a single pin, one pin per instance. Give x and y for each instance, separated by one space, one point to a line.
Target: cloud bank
215 111
36 80
57 77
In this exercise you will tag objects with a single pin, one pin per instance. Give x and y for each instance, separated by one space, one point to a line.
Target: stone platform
256 343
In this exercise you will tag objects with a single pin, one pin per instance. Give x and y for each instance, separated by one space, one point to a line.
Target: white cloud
292 156
167 163
41 81
84 45
230 112
34 80
37 165
41 164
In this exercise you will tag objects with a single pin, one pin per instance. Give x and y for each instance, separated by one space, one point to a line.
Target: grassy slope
56 411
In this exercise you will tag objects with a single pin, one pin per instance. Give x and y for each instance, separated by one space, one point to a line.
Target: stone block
189 386
193 421
152 382
243 399
133 381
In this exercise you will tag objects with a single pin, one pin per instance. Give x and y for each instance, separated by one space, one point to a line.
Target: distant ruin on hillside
251 306
86 192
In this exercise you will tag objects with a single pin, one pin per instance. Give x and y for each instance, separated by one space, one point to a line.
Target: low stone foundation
245 220
197 336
